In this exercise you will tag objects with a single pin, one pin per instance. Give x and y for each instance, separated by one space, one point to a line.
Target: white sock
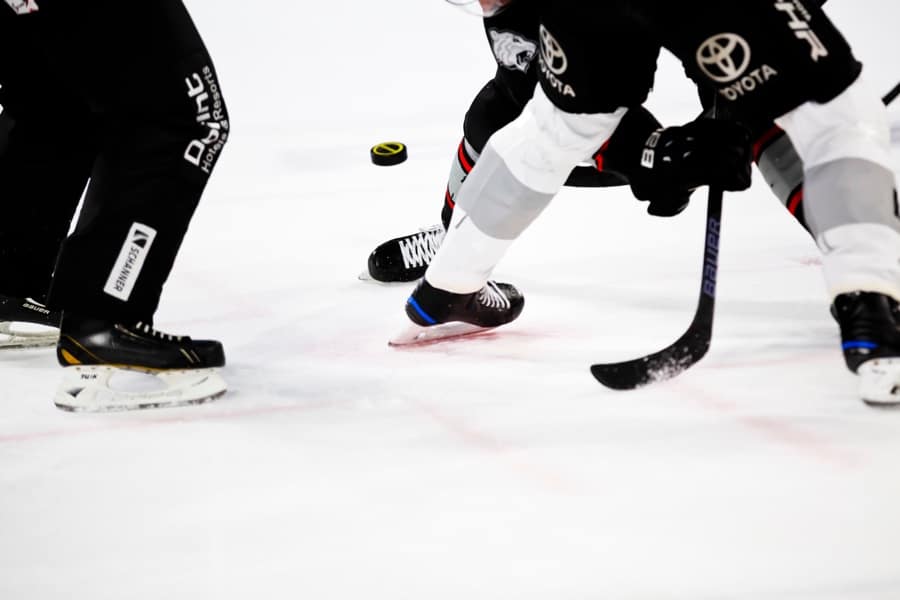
466 258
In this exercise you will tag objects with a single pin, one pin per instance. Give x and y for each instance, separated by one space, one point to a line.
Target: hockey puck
386 154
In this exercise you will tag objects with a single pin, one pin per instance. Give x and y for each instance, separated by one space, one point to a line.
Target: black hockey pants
123 95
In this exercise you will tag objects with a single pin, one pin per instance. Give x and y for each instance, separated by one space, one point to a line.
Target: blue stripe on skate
422 313
852 345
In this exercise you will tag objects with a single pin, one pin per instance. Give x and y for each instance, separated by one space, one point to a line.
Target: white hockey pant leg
522 167
466 257
849 189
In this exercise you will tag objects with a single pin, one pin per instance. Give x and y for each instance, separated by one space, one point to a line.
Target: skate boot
26 323
404 258
438 314
871 342
113 366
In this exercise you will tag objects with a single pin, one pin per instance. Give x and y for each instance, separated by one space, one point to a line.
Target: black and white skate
870 339
26 323
437 314
112 366
404 258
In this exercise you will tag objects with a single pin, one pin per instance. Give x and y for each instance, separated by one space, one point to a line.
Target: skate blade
416 335
108 389
365 276
26 335
879 382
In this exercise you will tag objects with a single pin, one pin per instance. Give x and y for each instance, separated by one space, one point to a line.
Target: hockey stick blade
891 95
687 350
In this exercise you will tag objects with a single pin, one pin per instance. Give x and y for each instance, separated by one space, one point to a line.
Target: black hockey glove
665 165
621 156
677 160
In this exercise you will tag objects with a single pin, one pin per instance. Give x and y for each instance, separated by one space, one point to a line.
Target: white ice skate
106 389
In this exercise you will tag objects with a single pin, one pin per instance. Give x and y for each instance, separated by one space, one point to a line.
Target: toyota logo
724 57
552 53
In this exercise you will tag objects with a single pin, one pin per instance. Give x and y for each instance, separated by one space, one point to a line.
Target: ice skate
404 258
871 343
110 366
438 314
26 323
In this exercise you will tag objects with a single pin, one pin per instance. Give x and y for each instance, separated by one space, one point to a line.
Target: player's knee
494 107
560 141
853 125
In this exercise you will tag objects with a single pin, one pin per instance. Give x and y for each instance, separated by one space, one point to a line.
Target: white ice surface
495 468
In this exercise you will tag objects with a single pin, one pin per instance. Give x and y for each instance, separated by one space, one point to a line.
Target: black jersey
762 57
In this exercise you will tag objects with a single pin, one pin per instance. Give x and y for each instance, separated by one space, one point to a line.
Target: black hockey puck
386 154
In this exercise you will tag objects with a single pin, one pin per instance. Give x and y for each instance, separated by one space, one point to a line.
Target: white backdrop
492 468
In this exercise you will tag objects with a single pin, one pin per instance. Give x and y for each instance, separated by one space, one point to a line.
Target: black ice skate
404 258
871 342
438 314
26 323
112 366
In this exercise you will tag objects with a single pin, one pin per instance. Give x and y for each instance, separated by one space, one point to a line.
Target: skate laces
418 249
146 329
492 297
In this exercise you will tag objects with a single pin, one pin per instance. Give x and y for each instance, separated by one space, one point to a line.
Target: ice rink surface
494 468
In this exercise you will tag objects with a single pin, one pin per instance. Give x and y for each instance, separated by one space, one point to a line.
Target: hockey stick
694 343
891 95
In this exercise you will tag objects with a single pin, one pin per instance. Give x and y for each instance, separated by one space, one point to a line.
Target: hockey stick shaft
694 343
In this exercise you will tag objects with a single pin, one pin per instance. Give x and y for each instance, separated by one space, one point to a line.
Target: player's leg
43 170
512 36
782 169
787 61
618 162
163 124
47 146
851 207
525 163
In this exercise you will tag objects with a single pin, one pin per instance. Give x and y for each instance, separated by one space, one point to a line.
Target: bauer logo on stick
386 154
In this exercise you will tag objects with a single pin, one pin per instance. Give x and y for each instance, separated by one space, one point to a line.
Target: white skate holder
879 382
415 335
106 389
